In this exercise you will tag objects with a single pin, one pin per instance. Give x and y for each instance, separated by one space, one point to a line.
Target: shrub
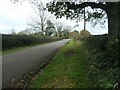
103 61
97 41
13 41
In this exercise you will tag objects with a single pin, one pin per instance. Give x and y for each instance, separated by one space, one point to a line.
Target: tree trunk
42 29
114 31
119 34
112 12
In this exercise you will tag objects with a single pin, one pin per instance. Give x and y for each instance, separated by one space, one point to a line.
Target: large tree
73 10
39 20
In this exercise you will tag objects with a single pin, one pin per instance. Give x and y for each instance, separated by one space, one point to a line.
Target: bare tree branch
41 17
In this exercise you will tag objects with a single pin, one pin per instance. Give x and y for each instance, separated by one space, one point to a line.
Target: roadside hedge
102 57
14 41
98 41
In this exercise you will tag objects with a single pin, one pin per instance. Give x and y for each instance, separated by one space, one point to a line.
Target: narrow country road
15 65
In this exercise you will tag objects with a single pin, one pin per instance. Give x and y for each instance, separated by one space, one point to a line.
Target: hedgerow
103 61
14 41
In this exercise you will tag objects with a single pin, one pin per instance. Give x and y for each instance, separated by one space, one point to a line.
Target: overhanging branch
85 4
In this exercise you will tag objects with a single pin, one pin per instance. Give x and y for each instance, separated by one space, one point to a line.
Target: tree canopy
73 10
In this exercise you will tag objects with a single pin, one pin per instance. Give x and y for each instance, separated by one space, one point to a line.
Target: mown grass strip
68 69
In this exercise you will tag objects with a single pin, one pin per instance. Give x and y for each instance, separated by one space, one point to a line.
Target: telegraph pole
84 20
84 23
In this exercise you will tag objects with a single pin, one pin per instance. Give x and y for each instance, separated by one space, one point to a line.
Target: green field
68 69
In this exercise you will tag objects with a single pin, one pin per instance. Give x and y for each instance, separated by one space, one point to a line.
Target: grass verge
68 69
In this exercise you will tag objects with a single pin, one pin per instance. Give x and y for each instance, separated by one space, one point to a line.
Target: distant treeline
13 41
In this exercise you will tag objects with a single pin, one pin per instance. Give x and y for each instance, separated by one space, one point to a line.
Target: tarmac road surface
15 65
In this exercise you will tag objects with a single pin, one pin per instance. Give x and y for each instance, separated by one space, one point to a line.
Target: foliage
103 58
75 10
98 41
50 28
83 34
74 34
14 41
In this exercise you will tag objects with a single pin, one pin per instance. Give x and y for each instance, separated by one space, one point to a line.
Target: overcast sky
16 16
